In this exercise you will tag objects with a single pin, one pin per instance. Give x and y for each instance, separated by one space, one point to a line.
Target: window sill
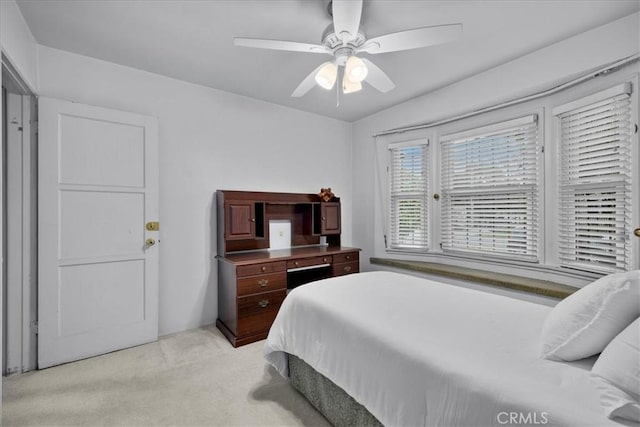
534 286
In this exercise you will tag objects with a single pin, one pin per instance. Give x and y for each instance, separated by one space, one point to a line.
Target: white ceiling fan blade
280 45
308 83
377 78
412 39
346 18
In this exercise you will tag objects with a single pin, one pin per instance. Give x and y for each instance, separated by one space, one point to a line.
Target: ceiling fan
344 39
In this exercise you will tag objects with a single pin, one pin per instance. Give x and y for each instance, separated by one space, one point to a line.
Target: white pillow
617 374
583 324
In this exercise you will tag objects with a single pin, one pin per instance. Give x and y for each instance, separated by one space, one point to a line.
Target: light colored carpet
193 378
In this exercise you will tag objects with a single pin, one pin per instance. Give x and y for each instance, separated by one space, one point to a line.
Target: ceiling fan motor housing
333 42
342 54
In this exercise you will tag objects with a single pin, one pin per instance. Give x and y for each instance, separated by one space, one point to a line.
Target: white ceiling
193 41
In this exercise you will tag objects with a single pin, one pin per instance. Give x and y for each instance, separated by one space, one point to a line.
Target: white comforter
417 352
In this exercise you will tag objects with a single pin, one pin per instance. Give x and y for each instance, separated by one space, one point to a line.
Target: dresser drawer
257 312
255 269
308 262
262 283
346 257
346 268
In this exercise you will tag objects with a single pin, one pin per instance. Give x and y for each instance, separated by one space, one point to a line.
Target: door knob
150 242
637 232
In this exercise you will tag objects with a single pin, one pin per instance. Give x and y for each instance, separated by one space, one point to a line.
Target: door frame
19 307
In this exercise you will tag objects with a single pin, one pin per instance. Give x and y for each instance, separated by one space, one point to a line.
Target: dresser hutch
253 279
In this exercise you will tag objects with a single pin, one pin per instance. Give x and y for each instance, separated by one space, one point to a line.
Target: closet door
97 261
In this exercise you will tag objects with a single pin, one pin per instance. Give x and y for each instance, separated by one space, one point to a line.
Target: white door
97 273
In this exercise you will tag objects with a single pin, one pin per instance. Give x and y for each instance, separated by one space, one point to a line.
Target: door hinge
34 326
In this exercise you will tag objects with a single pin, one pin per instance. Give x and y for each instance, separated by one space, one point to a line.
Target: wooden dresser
252 280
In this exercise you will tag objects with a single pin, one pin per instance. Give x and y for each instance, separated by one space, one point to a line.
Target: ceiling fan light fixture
326 76
355 69
349 86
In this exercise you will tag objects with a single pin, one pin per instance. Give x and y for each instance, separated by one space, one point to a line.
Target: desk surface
285 254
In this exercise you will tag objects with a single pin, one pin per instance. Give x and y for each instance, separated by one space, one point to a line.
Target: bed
412 352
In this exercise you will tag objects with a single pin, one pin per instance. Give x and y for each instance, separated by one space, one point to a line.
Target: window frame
427 207
481 131
575 104
547 268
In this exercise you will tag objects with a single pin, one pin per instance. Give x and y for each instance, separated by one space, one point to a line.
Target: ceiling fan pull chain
338 86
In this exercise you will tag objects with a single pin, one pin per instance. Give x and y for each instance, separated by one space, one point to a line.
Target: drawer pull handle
347 257
263 283
263 268
296 263
324 260
347 268
263 303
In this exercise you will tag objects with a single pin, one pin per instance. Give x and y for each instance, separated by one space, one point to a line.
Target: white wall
209 140
528 74
18 44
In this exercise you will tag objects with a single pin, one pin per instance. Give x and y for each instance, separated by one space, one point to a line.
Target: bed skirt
332 402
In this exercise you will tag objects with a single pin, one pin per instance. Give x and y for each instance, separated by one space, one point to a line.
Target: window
408 193
501 205
490 190
595 181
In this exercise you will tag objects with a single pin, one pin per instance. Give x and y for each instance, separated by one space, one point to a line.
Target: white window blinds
490 190
408 191
595 182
